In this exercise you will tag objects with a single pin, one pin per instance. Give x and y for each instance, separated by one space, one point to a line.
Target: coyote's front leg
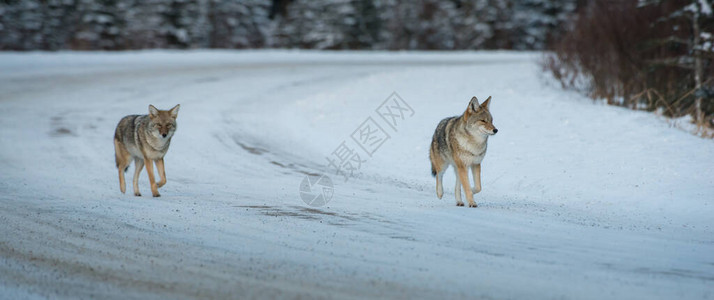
463 175
476 172
162 172
152 180
138 165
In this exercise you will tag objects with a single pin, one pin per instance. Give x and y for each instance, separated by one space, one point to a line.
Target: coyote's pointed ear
153 112
473 105
486 104
174 111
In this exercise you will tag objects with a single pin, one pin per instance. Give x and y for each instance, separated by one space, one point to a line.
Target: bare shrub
639 55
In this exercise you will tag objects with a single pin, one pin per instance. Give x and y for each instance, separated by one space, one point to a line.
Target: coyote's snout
461 141
146 139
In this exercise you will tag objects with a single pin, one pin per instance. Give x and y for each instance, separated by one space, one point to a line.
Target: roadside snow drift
579 200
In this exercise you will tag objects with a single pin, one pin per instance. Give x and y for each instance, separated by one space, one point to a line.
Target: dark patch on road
251 149
61 132
365 222
403 237
309 213
317 211
294 167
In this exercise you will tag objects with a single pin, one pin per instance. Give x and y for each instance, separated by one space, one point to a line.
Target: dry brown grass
637 57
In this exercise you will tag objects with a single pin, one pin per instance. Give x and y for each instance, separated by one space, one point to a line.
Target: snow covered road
579 200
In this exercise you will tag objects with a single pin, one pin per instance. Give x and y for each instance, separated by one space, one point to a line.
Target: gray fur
137 132
441 135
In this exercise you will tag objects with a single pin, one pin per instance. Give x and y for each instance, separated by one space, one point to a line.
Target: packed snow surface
579 200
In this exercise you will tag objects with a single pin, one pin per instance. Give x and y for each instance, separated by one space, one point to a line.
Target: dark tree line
315 24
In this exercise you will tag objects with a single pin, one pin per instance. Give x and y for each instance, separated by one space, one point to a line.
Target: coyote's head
478 118
163 122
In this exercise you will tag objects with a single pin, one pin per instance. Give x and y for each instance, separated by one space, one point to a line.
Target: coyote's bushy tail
118 150
118 161
431 159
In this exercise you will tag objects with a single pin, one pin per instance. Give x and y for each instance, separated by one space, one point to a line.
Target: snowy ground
580 200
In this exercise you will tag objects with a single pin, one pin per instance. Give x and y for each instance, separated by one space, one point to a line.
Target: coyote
461 141
145 138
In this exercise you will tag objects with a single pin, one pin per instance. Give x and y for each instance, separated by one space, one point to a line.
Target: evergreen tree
315 24
239 23
474 24
535 22
100 25
33 24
